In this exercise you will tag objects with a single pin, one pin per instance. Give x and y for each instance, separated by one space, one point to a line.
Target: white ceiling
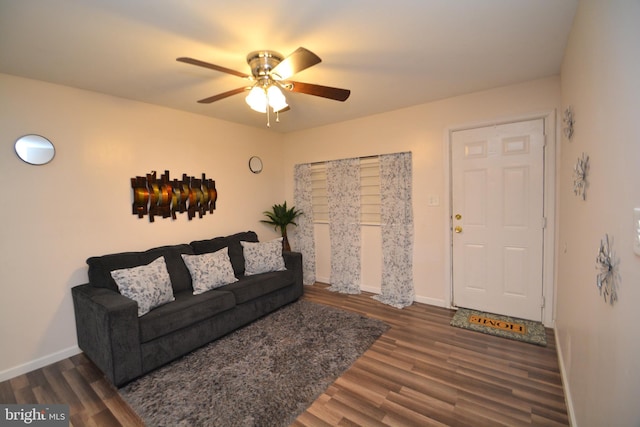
390 54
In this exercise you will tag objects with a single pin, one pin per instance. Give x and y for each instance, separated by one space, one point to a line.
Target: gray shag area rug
265 374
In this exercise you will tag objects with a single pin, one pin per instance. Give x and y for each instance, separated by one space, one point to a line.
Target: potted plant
279 216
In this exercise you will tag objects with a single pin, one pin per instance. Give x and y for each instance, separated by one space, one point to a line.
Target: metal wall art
580 176
568 120
608 276
164 197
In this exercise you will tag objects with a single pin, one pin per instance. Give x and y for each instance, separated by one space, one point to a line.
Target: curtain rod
373 156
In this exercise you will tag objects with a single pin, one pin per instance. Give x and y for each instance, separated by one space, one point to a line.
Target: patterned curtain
303 233
396 215
343 197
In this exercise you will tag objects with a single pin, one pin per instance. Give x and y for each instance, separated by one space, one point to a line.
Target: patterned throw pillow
148 285
263 257
210 270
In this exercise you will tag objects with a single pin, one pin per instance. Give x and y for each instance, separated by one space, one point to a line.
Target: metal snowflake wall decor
608 276
580 176
567 118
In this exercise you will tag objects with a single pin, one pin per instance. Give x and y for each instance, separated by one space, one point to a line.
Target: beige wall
599 343
423 131
55 216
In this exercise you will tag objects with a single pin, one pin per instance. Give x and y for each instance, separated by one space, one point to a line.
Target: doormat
501 326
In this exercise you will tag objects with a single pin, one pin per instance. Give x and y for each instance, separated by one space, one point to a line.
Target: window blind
369 191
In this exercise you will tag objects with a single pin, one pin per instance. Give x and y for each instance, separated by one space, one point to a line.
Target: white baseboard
39 363
370 289
425 300
431 301
324 280
565 383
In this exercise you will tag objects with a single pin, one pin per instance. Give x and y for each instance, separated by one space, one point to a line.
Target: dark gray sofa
125 346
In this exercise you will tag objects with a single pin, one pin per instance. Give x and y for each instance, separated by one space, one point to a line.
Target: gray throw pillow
263 257
148 285
209 271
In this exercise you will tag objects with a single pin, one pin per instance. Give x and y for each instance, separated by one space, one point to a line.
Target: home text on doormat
498 324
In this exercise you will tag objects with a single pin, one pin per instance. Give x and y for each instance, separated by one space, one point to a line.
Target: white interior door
497 225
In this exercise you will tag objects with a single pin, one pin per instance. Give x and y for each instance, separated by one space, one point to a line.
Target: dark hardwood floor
422 372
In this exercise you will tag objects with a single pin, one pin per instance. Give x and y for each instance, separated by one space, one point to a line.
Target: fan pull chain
268 117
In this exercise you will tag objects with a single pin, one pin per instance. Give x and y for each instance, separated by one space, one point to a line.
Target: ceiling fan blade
223 95
318 90
299 60
212 66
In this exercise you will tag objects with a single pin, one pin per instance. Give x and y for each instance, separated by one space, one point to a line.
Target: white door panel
497 203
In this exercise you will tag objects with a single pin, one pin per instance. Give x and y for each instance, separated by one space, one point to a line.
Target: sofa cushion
263 257
100 267
186 310
148 285
232 242
251 287
209 271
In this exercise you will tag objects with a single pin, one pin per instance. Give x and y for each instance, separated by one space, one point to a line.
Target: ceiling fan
270 73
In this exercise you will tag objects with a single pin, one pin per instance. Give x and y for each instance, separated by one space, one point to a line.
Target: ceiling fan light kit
270 72
260 98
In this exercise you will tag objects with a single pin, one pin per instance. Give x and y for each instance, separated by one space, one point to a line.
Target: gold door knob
458 229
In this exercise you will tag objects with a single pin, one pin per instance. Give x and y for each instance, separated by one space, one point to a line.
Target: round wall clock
255 164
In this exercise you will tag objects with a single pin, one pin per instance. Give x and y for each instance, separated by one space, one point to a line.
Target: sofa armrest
293 261
108 331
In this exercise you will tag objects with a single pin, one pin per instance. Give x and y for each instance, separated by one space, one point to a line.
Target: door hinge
544 302
544 222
